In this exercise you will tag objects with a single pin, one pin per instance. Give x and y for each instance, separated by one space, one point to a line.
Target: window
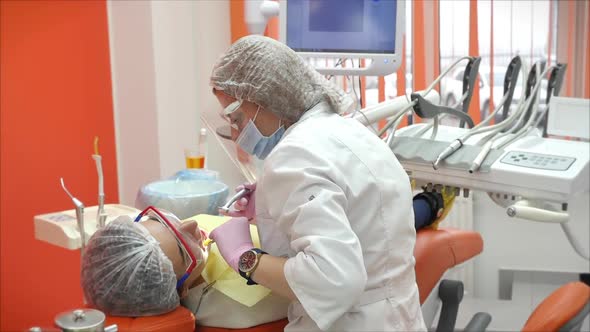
520 27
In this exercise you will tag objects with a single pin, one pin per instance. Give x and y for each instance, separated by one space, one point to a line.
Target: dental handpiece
449 150
79 215
226 207
101 216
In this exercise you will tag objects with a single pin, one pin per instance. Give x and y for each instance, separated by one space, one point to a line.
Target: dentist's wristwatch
248 263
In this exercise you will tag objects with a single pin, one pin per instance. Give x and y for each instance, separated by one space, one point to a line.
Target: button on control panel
537 160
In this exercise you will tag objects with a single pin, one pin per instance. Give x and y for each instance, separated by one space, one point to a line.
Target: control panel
537 160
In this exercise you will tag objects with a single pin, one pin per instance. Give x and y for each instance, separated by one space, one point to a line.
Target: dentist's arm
233 239
270 274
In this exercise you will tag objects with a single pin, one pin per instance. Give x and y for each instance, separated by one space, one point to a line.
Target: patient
143 268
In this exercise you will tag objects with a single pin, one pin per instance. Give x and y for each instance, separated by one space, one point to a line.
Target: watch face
247 261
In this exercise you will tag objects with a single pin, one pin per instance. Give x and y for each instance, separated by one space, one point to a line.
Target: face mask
254 143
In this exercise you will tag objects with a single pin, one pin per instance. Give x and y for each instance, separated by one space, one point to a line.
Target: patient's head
133 268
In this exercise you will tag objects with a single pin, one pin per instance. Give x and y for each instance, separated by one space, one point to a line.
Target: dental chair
563 310
439 250
179 320
436 251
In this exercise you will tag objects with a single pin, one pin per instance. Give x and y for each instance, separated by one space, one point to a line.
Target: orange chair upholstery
269 327
436 251
179 320
559 308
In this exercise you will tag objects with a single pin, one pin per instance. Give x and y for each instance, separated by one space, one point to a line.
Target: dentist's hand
245 206
233 239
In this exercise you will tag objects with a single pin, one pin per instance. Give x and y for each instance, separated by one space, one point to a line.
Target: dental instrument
395 108
510 79
79 215
411 104
554 84
101 215
424 109
532 105
488 139
226 207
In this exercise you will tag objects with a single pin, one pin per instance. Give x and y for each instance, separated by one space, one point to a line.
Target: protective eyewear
230 115
165 217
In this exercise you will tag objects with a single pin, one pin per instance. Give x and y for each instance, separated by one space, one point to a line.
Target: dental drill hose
481 157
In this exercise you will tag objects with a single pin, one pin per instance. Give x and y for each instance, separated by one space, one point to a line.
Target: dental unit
70 229
509 86
531 177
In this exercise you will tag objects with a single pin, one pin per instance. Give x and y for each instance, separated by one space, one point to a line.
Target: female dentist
333 205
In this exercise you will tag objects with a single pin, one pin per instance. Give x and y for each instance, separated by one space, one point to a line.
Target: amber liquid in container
195 161
195 157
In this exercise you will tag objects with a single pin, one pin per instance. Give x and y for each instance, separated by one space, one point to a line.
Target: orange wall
55 89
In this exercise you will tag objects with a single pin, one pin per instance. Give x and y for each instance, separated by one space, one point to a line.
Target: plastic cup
194 158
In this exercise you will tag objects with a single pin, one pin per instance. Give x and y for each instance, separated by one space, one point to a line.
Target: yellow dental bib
228 281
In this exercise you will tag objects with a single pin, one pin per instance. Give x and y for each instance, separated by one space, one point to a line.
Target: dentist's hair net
268 73
126 273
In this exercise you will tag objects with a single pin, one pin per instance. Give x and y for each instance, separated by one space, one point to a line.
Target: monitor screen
341 26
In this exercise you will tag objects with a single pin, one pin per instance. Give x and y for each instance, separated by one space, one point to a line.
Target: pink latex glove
233 239
245 206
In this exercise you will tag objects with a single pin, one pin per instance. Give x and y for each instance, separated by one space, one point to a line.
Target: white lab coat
215 309
335 200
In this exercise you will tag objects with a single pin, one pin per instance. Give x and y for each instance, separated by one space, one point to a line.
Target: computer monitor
352 29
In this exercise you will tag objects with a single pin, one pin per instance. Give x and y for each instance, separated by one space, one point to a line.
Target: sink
184 198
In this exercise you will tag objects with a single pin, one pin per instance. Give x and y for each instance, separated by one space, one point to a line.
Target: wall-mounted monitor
351 29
